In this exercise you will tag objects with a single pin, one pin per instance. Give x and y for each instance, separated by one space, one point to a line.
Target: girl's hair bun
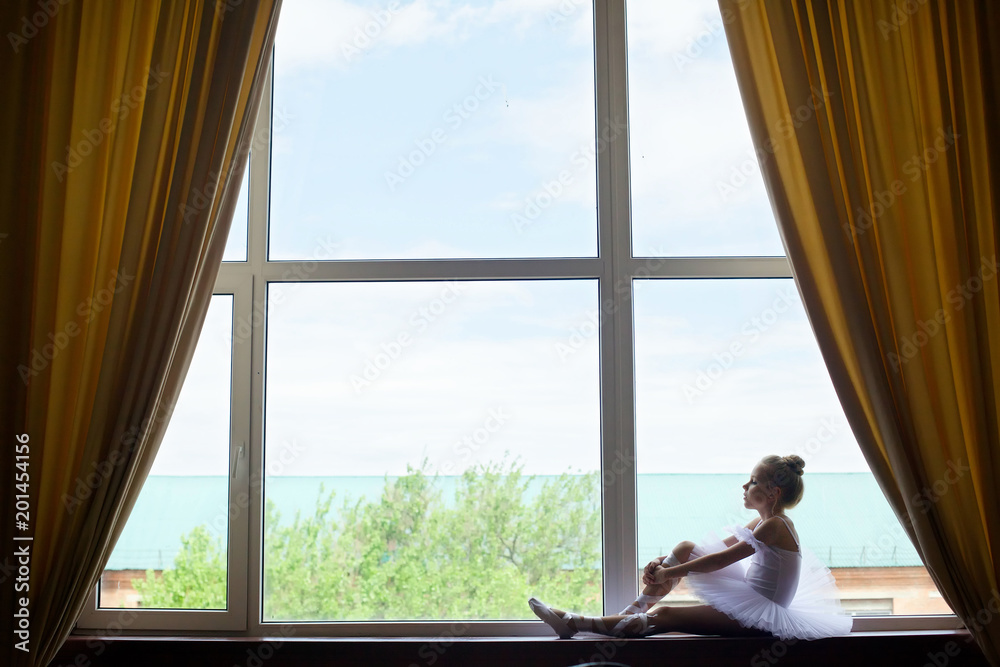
785 472
795 463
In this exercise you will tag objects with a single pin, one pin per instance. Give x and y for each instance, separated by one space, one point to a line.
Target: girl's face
758 493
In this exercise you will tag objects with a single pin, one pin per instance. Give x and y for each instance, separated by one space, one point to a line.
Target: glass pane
236 245
696 185
728 371
431 450
434 130
172 553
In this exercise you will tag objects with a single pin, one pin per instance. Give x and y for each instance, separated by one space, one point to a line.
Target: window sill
951 647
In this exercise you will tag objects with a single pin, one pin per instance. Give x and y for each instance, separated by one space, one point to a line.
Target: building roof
843 517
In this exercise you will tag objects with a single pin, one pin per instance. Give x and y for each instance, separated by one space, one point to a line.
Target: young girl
784 591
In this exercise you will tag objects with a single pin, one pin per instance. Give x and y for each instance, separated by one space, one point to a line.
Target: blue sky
349 112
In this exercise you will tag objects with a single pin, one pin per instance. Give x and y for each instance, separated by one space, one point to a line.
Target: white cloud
694 178
336 33
312 32
485 350
556 130
659 28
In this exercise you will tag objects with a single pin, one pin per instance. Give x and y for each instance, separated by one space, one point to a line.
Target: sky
432 135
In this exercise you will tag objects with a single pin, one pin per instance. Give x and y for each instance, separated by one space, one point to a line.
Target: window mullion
617 423
255 317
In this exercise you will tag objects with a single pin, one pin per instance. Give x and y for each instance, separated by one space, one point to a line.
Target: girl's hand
649 578
660 575
650 568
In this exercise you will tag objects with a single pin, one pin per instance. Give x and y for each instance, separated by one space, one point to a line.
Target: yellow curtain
876 124
125 132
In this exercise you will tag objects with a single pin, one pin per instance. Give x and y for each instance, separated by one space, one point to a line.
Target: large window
505 313
450 436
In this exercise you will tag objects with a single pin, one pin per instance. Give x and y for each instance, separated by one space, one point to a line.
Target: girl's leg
567 625
699 620
652 594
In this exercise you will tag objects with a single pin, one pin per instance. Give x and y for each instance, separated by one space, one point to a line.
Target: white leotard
773 571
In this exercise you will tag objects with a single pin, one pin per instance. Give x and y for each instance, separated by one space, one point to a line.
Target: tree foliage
197 581
413 554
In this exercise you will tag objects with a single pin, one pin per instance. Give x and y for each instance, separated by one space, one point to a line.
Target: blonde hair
785 472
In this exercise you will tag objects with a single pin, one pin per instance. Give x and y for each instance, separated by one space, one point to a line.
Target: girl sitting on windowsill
782 591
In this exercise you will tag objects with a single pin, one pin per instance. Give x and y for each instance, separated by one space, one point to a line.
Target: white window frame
233 618
614 266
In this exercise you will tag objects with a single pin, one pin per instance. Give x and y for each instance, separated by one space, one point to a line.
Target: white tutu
814 612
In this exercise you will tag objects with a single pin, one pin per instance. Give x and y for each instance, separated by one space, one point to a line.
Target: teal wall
843 517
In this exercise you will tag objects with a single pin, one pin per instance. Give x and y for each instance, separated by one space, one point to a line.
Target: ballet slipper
642 604
636 625
550 618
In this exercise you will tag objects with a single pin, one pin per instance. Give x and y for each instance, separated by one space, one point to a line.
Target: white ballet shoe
636 625
550 618
642 604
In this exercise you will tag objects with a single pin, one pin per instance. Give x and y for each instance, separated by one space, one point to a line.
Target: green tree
197 580
413 554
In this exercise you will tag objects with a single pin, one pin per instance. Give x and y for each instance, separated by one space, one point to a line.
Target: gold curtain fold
125 134
876 124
